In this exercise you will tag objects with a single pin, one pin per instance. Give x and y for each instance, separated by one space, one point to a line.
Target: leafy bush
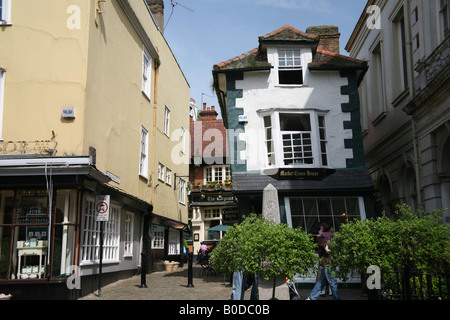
259 246
415 241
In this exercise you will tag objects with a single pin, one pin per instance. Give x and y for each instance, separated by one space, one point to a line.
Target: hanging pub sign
302 173
102 208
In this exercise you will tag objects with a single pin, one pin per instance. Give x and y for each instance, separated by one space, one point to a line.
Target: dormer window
289 67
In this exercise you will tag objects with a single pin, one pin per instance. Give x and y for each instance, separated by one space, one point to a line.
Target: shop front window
26 228
309 213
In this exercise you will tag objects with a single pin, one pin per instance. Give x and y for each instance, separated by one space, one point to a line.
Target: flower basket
168 266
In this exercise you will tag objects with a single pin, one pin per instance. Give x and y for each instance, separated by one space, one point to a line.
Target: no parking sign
102 208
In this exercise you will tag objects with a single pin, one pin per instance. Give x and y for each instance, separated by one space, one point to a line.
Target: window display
26 228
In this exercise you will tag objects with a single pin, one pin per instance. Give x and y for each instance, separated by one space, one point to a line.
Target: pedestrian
325 273
203 248
325 284
242 283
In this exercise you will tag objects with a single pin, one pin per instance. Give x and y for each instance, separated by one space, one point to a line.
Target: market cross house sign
302 174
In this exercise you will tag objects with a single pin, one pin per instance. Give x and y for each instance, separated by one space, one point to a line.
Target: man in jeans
243 282
324 253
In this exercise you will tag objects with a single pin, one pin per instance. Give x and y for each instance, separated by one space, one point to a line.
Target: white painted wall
321 90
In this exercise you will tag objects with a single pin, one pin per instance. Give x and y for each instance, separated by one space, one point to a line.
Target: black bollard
143 271
190 258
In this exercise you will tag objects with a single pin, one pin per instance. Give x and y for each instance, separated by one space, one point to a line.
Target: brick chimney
157 9
208 114
328 37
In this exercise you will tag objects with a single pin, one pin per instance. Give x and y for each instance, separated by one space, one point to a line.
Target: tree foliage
259 246
416 241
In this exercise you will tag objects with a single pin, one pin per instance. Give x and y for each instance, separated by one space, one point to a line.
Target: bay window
295 139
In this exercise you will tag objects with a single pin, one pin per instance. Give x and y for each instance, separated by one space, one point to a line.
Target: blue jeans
325 274
239 286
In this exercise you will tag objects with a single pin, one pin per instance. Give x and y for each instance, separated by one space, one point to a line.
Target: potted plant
227 184
211 185
196 186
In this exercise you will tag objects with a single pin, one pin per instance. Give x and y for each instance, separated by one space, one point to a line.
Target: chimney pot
328 37
157 9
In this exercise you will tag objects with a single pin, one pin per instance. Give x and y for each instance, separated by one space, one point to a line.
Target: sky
202 33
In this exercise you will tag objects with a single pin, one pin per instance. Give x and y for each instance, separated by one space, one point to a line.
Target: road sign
102 208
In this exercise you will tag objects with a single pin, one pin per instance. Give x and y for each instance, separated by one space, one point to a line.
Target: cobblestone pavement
173 286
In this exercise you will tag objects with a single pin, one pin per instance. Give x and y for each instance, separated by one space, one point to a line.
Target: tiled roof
322 60
253 59
326 60
288 33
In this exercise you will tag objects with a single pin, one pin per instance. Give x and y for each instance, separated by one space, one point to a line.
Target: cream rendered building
92 102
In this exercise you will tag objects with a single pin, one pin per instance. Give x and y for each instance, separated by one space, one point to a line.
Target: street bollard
190 258
143 271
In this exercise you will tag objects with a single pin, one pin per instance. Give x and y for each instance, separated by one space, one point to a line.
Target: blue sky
218 30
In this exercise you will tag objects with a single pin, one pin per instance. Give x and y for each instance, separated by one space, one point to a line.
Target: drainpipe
412 93
155 112
417 166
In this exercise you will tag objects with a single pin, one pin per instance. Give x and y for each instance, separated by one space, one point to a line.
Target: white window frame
158 233
128 241
182 192
174 242
399 52
143 157
377 78
277 157
166 121
5 12
161 171
91 235
146 73
295 66
2 99
212 172
168 176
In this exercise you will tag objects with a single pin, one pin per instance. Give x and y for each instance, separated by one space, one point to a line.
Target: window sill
380 117
404 94
146 96
95 262
289 85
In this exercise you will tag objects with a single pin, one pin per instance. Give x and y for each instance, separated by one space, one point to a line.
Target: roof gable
288 33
